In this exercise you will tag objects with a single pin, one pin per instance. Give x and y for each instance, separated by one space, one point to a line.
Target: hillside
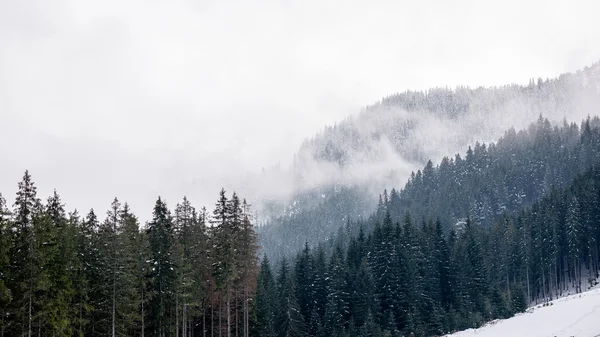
575 315
409 278
346 166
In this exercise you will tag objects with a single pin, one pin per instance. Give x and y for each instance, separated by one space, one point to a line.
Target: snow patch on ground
575 315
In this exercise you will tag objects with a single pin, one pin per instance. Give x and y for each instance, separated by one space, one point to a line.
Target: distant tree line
182 274
484 183
411 278
501 177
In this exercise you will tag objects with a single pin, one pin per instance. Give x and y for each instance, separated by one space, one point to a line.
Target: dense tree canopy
64 275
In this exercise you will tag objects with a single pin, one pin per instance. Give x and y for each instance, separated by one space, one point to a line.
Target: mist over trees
184 273
478 236
347 165
409 275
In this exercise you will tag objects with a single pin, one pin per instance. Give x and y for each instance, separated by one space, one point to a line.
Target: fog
137 99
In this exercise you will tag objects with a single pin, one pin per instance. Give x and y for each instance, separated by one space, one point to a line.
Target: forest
415 267
530 234
360 156
410 278
184 273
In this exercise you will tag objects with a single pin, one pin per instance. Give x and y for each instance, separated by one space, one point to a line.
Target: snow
575 315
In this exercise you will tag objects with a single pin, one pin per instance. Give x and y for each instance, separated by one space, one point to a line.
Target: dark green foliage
265 304
61 275
161 279
5 248
288 319
403 279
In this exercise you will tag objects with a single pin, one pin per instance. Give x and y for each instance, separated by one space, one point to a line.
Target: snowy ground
575 315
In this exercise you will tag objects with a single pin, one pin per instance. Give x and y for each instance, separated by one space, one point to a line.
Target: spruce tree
223 268
337 308
5 247
573 228
265 302
130 288
161 291
91 294
289 321
58 260
24 269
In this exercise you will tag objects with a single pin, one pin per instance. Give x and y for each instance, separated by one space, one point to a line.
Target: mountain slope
347 165
575 315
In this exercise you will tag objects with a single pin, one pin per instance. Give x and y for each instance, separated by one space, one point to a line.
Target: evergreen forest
470 240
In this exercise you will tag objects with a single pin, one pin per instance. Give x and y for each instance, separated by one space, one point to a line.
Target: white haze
137 99
377 163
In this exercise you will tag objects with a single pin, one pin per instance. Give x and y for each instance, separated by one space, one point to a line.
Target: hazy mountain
338 174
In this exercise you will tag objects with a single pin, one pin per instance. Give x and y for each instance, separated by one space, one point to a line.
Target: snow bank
575 315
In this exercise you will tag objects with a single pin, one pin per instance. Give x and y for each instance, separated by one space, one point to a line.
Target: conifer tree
91 288
265 303
130 290
24 267
57 256
224 252
5 247
247 264
162 275
289 321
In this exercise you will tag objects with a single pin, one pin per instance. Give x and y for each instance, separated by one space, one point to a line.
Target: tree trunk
237 322
246 325
184 322
29 329
228 307
114 298
528 291
143 322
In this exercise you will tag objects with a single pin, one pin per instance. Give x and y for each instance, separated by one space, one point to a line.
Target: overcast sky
139 98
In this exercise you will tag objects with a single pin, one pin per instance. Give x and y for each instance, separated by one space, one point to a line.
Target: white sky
139 98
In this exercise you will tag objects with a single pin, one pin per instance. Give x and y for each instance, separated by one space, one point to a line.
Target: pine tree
265 303
362 295
337 308
162 276
476 276
24 269
85 260
573 227
106 313
57 259
130 289
186 242
5 248
303 273
224 252
91 295
246 264
289 320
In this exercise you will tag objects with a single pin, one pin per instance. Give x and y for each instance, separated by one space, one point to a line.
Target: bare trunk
528 291
176 315
114 290
246 319
237 322
183 322
228 307
29 329
80 317
143 327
